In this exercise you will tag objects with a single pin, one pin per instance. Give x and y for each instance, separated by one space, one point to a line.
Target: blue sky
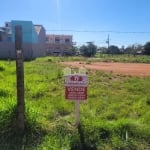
103 17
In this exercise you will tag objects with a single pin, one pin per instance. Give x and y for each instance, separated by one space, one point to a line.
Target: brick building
58 44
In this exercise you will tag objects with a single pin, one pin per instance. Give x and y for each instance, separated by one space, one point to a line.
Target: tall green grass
115 116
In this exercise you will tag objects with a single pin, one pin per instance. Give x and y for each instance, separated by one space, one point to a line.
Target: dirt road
133 69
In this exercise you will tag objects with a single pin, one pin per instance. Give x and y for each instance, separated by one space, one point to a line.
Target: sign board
76 86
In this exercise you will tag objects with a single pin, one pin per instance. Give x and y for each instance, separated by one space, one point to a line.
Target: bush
148 101
2 68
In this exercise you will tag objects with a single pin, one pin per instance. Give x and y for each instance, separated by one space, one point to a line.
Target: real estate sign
76 86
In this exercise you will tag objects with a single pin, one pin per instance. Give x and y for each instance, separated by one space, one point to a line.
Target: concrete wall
7 50
30 51
3 37
41 43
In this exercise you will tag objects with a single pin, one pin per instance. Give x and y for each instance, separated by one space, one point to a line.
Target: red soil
133 69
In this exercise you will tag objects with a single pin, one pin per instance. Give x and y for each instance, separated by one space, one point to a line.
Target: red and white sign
76 86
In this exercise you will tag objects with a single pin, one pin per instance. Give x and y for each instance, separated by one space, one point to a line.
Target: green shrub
2 68
148 101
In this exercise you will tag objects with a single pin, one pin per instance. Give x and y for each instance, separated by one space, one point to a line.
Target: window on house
67 41
58 48
57 40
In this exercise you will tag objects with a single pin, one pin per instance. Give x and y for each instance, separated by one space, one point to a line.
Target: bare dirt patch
133 69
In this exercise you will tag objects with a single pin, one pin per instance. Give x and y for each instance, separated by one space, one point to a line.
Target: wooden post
77 112
20 79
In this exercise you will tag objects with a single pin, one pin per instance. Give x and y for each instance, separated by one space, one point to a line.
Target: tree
134 49
113 50
128 50
102 50
71 51
147 48
138 47
88 50
122 49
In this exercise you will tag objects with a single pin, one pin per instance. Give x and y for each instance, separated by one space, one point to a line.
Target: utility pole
108 41
20 79
90 47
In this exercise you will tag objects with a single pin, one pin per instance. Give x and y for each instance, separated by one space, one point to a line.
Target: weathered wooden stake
77 112
20 79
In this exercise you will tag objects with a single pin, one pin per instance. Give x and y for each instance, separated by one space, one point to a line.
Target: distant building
58 44
33 40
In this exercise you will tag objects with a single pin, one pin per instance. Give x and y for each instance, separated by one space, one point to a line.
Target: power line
101 31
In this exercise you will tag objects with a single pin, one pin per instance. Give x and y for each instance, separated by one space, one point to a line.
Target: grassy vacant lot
116 115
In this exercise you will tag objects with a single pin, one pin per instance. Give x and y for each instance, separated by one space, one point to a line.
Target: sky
126 22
